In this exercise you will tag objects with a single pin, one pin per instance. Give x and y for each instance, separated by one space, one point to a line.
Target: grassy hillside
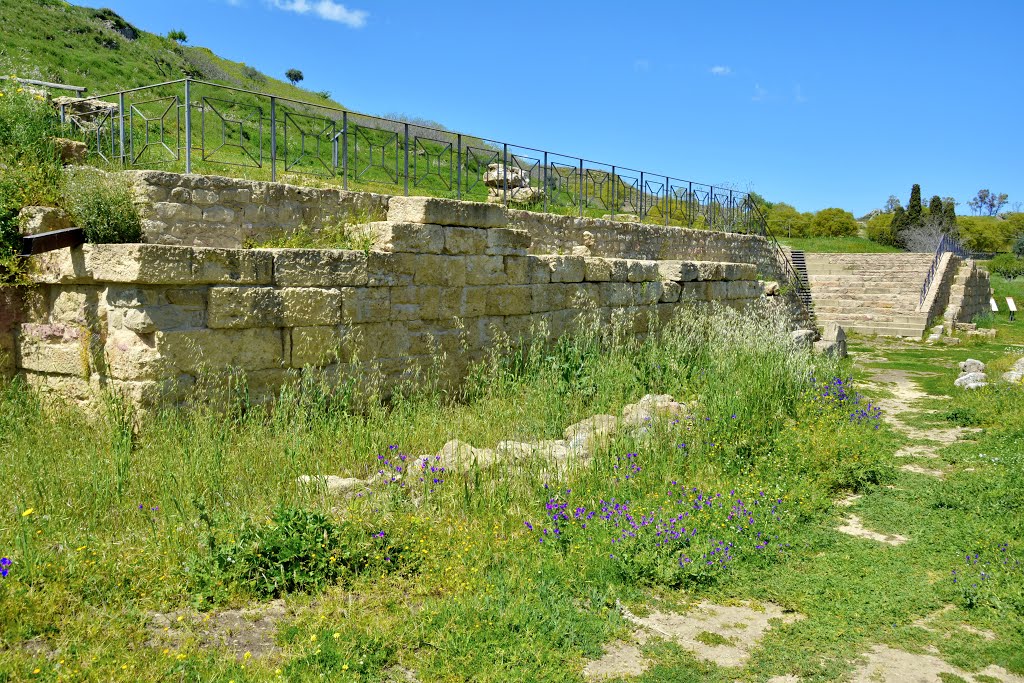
53 40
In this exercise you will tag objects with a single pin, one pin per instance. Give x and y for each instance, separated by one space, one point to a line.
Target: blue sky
814 103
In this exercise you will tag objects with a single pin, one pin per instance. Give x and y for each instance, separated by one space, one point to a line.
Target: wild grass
103 518
836 245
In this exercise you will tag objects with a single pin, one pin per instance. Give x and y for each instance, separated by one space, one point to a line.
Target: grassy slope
835 245
56 41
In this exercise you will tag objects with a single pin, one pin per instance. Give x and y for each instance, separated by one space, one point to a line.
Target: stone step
881 329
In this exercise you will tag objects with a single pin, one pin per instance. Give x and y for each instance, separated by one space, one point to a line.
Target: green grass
836 245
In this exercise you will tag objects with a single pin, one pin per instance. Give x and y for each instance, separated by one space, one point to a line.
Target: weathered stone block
459 240
474 302
616 294
218 214
319 267
670 292
408 237
154 264
446 212
643 271
366 304
739 271
509 300
386 269
131 356
565 268
33 220
710 270
445 271
244 307
646 293
238 266
696 291
311 306
321 345
194 351
508 242
678 271
53 349
597 270
517 269
485 270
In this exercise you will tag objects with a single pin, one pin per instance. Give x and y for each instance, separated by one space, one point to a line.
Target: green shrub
982 233
833 223
300 550
1007 265
1018 247
785 221
880 230
103 205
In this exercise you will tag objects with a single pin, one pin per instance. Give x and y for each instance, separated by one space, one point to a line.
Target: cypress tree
949 215
935 207
914 207
898 225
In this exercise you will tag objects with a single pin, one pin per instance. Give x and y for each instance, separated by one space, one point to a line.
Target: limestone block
152 318
205 197
485 270
803 339
474 302
244 307
53 349
446 212
678 271
408 237
517 269
552 297
175 212
507 300
835 332
619 269
154 264
73 305
321 345
670 292
646 293
446 271
238 266
218 214
739 271
596 269
311 306
507 242
33 220
643 271
193 297
743 289
718 290
130 356
539 270
319 267
386 269
415 303
695 291
459 240
378 340
366 304
827 347
616 294
565 268
193 351
71 151
771 288
710 271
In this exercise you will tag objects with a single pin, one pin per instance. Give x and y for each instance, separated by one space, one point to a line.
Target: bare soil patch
887 665
854 527
240 631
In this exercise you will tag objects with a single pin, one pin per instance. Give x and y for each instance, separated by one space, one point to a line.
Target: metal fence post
642 200
458 166
407 160
545 182
689 204
581 188
273 139
120 126
667 205
504 173
188 125
614 203
344 150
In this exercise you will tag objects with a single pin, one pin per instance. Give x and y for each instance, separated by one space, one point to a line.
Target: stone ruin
516 183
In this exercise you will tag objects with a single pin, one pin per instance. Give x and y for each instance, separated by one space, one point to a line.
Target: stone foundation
149 320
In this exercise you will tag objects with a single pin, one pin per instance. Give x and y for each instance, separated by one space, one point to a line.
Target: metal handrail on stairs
946 244
803 291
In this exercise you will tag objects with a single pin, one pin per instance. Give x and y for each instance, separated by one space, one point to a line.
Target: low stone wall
969 294
214 211
10 315
148 320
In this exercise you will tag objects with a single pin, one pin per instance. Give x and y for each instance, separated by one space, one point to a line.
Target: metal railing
199 124
946 244
194 124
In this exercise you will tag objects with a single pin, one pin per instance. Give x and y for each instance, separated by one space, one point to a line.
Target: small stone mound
1015 375
854 527
972 375
340 486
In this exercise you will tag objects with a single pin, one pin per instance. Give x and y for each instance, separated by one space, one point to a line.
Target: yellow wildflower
28 512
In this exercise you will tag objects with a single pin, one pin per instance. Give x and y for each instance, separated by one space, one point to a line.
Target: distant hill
55 41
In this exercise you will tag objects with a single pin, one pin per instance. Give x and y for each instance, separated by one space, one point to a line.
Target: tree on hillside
891 204
935 206
833 223
988 203
293 75
898 225
914 207
784 219
178 36
949 213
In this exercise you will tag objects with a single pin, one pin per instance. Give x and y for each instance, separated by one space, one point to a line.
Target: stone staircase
874 294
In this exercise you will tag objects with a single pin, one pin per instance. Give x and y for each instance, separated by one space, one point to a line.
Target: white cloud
720 70
325 9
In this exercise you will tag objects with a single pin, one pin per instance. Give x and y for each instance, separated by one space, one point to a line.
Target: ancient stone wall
214 211
969 294
149 320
